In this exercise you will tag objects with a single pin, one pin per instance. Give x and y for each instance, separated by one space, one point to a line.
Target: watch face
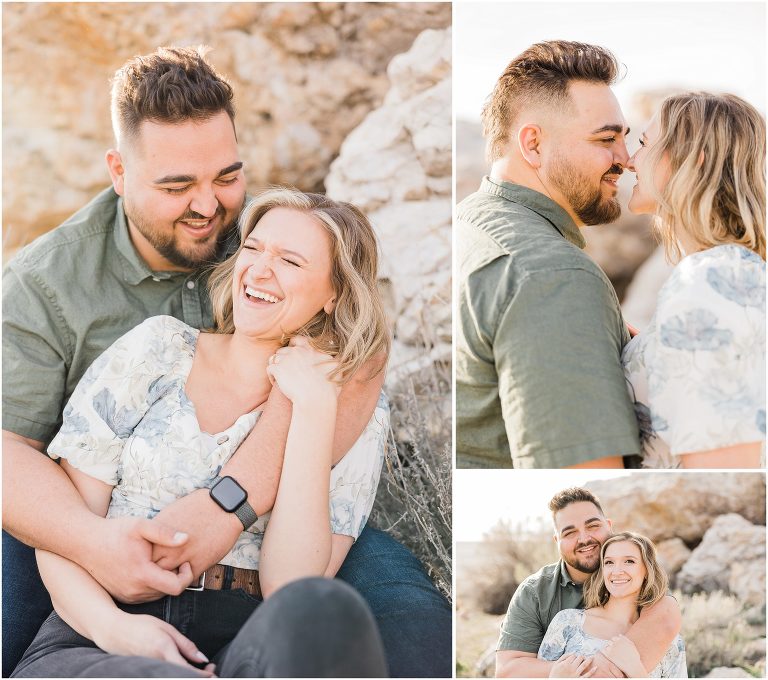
228 494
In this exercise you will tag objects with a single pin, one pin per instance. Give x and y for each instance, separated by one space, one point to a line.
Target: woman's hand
143 635
622 651
572 666
301 372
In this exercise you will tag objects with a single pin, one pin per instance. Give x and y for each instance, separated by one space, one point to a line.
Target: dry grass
414 502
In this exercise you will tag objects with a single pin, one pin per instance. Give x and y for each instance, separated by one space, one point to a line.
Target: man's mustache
614 170
192 215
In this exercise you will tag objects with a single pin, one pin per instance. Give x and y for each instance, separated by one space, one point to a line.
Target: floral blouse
697 374
566 635
130 424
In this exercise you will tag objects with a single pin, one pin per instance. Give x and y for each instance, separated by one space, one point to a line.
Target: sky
716 46
482 497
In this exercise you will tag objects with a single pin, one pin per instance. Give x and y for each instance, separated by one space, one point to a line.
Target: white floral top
566 635
697 374
130 424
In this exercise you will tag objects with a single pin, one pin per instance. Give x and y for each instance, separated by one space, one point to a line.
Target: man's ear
609 523
528 139
116 170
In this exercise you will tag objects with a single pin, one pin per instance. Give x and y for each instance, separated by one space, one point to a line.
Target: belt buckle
199 586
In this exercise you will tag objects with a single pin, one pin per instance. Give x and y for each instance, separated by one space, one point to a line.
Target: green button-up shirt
539 382
535 603
68 296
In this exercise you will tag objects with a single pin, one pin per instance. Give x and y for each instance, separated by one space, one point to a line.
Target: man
580 529
538 377
140 249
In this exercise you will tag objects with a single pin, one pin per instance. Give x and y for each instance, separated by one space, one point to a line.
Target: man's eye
228 180
175 190
608 140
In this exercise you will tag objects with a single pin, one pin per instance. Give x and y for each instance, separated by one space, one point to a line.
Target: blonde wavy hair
656 582
715 146
356 330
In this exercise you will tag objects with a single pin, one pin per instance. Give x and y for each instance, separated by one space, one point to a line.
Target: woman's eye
295 264
642 143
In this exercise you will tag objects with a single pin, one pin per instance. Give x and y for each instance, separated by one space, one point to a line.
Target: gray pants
310 628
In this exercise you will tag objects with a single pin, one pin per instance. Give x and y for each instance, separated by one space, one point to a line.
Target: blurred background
709 529
666 47
352 99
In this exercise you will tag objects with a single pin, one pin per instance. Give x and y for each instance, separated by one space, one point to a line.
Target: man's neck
578 577
510 170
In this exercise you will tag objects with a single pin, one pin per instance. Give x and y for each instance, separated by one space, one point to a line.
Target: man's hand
122 560
212 536
622 651
605 668
572 666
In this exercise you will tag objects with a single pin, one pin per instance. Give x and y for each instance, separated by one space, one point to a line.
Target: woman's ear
329 306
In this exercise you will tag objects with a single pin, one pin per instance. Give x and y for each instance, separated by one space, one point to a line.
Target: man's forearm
655 630
41 506
522 667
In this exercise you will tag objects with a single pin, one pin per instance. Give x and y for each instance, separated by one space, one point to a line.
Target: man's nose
621 156
204 202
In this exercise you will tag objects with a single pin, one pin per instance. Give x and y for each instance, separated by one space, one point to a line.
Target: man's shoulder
546 576
77 234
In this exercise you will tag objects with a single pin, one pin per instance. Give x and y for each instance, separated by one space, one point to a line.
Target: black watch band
231 497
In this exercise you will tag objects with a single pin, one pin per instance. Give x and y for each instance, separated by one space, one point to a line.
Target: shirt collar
565 577
135 269
540 204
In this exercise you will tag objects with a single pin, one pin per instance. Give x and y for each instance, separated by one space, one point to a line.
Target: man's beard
587 202
584 567
205 251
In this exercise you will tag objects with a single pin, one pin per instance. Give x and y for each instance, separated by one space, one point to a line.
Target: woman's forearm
297 541
77 597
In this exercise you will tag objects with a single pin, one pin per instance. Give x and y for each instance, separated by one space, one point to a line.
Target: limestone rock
724 672
304 75
662 505
397 167
731 557
673 554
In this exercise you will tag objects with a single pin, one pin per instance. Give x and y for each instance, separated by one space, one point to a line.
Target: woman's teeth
261 295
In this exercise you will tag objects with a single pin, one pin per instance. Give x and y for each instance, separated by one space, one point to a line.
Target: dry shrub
512 553
414 503
716 632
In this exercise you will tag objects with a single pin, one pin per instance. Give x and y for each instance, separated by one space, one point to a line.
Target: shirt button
190 284
222 440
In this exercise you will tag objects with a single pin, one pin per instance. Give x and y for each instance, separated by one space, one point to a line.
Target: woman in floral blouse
162 410
697 374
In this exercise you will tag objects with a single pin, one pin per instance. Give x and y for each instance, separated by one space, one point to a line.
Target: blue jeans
414 619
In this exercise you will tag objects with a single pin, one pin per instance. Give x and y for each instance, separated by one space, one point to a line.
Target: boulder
396 165
673 554
665 505
731 557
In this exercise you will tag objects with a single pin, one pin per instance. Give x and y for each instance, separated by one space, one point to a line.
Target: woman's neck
621 609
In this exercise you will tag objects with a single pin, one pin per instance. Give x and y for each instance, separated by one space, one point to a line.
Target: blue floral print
697 373
566 635
130 424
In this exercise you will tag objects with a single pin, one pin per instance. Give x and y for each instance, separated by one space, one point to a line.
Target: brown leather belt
224 577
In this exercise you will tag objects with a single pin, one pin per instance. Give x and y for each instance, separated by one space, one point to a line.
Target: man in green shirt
580 529
539 381
141 248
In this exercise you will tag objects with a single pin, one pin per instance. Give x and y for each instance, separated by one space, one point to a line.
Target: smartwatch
231 497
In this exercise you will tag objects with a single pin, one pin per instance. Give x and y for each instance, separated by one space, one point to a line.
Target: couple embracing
601 611
206 368
548 374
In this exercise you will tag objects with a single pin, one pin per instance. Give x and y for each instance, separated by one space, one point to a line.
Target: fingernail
202 657
179 536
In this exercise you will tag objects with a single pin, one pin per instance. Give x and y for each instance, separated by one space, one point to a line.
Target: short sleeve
355 477
37 350
706 366
521 629
556 638
111 398
561 384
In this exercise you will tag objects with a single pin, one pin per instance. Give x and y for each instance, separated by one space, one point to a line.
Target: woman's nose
631 164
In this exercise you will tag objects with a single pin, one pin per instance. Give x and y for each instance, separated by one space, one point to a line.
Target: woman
628 579
161 411
697 375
